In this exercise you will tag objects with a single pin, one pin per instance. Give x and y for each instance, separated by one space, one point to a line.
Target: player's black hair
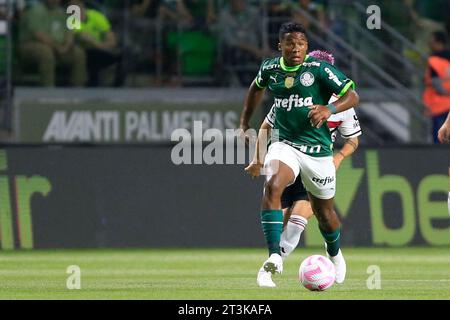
440 37
289 27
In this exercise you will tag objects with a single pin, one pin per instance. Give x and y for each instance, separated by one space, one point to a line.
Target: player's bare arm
444 131
347 150
260 151
252 100
320 113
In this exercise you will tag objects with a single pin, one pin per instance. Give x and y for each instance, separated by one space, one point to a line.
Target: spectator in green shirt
99 41
45 42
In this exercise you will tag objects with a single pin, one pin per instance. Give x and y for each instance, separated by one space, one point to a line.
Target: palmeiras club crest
307 79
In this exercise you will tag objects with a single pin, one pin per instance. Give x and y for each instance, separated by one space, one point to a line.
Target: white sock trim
300 221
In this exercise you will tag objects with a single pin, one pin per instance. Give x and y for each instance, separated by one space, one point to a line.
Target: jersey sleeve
270 117
262 79
350 128
334 81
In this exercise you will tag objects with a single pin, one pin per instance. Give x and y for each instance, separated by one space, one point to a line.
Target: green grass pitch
209 274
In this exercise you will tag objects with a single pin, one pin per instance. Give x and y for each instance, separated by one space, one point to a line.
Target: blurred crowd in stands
183 42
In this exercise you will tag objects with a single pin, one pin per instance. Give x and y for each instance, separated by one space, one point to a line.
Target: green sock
333 241
272 225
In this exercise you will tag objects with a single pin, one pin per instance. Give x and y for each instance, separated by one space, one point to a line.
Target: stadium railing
406 121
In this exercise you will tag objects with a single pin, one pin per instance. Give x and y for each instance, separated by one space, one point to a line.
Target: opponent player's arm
260 150
252 100
319 113
349 147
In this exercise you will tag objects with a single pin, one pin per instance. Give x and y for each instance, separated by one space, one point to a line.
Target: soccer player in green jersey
301 87
294 200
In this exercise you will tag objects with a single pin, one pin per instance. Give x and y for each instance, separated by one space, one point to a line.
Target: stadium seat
197 52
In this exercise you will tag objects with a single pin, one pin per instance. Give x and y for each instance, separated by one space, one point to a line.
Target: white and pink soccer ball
317 273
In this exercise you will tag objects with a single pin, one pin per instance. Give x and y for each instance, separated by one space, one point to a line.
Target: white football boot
264 279
339 265
271 266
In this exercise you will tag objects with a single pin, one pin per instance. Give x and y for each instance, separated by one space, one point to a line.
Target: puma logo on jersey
274 78
293 101
333 77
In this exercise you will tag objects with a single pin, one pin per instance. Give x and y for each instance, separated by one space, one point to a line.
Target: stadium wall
150 115
134 196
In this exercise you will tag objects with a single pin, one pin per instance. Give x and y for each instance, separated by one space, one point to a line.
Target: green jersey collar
290 69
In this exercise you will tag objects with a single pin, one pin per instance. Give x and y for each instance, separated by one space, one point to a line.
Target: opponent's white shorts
318 174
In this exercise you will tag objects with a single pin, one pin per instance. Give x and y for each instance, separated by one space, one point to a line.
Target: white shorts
318 174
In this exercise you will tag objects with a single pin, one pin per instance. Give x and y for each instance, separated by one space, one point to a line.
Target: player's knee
272 190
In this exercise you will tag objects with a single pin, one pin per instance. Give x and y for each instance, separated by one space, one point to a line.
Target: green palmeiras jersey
295 89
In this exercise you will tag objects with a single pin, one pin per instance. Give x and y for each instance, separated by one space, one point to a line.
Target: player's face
293 47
